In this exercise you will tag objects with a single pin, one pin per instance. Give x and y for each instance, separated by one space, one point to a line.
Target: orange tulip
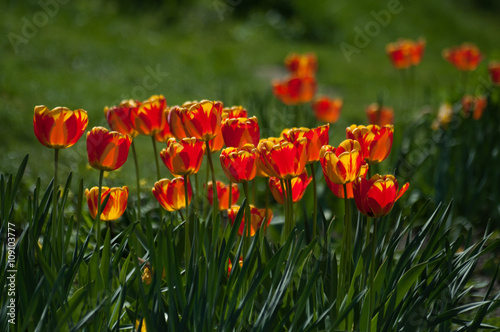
376 142
316 138
406 53
257 217
234 112
223 194
118 117
302 64
174 119
116 205
203 120
327 109
183 157
149 117
171 193
343 164
376 197
338 189
476 105
216 143
299 186
465 57
380 116
240 131
60 127
494 69
164 134
239 164
283 159
295 90
107 150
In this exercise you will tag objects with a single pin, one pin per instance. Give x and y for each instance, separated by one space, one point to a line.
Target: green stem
187 244
55 191
315 200
372 273
290 203
247 228
348 225
285 203
137 176
99 211
158 176
253 192
214 184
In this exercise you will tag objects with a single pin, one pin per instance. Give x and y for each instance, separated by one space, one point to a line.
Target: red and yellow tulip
376 197
380 116
107 150
302 64
316 138
174 120
327 109
183 157
406 53
118 117
223 194
299 186
171 193
338 189
239 164
376 142
240 131
257 217
202 120
283 159
60 127
465 57
116 205
295 90
149 117
343 164
234 112
474 105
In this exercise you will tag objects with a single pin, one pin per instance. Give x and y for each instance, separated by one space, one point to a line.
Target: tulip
316 138
171 193
234 112
299 185
406 53
444 116
295 90
302 64
202 120
476 105
230 265
149 117
465 57
376 142
376 197
216 143
494 69
115 207
164 134
262 169
60 127
257 217
183 157
380 115
174 119
283 159
223 194
118 117
327 109
343 164
107 150
239 164
240 131
338 189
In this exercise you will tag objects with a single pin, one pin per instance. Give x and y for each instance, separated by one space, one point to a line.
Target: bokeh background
92 53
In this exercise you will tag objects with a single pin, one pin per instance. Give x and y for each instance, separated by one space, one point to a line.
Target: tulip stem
158 176
99 210
372 273
137 176
345 258
55 191
214 184
187 244
290 202
315 200
247 231
285 202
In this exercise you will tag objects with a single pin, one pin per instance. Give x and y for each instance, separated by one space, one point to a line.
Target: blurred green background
89 54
